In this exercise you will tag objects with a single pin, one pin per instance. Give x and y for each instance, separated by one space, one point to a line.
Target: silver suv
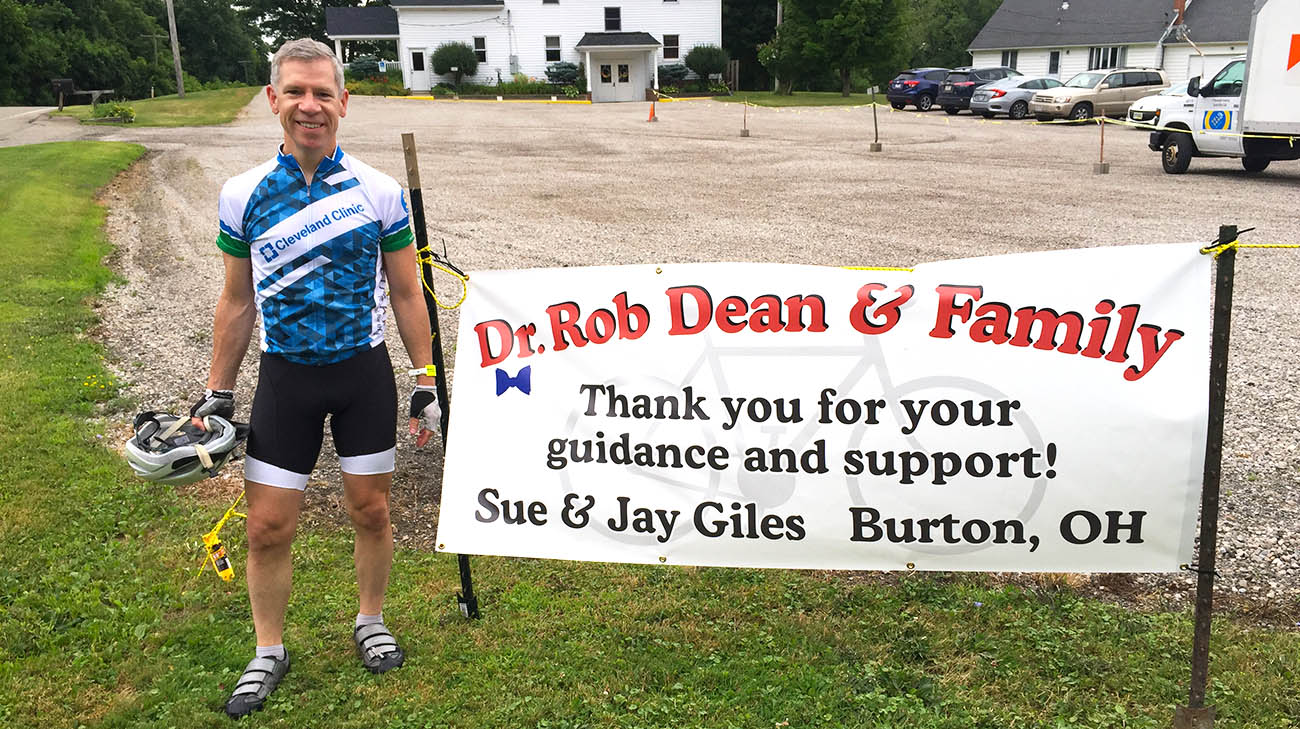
1098 93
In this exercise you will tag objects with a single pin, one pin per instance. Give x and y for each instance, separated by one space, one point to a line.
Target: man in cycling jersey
313 241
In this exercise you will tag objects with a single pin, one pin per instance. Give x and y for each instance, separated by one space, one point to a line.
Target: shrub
705 61
364 66
457 55
669 90
571 91
719 89
524 86
673 73
114 110
562 72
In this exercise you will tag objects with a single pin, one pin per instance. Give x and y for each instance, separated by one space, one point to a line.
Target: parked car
1009 96
960 83
1147 109
1098 93
916 86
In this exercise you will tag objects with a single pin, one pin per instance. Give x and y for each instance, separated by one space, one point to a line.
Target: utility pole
176 49
776 80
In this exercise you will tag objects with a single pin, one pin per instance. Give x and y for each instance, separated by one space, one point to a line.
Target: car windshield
955 78
1084 80
905 76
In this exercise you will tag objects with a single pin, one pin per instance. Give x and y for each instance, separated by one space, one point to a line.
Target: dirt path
524 185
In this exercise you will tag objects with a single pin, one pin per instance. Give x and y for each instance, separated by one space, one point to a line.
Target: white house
1186 38
621 43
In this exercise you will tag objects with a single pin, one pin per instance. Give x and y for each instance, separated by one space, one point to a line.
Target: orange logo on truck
1295 53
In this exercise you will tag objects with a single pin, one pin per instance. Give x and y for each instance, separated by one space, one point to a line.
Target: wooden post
1102 168
466 599
1196 715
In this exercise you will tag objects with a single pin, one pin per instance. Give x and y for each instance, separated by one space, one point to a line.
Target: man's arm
402 271
233 323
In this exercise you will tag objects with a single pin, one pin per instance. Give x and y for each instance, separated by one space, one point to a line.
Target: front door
419 70
617 80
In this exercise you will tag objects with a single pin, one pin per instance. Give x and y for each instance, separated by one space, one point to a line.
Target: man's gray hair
305 49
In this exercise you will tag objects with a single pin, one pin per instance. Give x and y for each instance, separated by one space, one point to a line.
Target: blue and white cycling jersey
316 252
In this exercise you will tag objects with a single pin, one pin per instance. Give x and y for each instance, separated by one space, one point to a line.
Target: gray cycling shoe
377 648
259 679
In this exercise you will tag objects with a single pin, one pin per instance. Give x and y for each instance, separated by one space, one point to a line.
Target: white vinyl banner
1032 412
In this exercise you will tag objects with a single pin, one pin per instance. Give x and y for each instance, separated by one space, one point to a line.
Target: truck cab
1249 109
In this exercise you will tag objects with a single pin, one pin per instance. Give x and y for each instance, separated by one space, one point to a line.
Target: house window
1107 57
417 60
552 48
613 19
1009 58
670 46
1054 62
480 48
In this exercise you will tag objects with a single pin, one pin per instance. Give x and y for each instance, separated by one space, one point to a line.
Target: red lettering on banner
505 339
1046 329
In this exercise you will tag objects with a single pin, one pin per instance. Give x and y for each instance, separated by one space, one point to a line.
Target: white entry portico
620 66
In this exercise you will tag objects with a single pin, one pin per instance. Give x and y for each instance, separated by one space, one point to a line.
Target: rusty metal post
1196 715
466 599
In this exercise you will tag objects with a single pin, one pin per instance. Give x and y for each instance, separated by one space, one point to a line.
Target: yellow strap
428 369
1217 250
424 255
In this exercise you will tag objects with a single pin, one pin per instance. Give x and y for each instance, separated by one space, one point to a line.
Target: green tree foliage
454 55
796 53
747 24
846 35
705 61
120 45
940 30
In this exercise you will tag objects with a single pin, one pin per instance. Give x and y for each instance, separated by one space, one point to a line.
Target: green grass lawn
800 98
106 624
198 108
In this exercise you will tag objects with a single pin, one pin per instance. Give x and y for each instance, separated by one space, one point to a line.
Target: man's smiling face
309 105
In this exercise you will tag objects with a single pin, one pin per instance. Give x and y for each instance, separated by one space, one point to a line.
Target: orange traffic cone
652 118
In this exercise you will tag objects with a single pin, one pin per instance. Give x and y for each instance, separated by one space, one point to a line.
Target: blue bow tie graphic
523 380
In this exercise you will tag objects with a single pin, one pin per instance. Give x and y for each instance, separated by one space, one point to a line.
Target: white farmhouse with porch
1186 38
620 43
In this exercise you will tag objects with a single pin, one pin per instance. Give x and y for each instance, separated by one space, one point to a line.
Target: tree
942 30
285 20
454 55
15 52
220 43
705 61
747 24
852 35
794 54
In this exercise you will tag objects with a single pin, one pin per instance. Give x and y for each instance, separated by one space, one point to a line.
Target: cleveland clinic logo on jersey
271 251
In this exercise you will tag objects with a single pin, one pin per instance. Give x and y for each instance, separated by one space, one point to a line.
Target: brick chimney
1180 9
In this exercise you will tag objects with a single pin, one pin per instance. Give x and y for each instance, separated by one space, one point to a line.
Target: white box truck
1250 109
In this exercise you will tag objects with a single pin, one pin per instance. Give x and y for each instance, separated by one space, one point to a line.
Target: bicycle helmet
170 449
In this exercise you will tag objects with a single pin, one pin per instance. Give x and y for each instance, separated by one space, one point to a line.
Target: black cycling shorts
289 411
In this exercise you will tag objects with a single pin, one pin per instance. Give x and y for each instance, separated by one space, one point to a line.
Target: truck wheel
1255 164
1176 152
924 102
1019 110
1081 111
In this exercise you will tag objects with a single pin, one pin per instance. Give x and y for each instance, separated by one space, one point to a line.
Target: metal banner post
466 599
1196 715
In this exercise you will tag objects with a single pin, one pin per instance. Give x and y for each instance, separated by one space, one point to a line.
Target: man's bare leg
272 521
367 501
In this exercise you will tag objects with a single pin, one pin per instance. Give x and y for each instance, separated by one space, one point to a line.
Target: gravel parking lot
526 185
